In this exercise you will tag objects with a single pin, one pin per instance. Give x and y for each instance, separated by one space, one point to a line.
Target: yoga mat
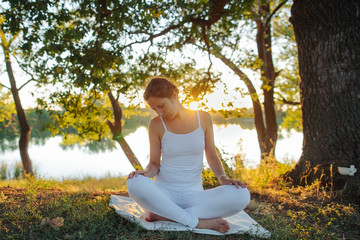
239 224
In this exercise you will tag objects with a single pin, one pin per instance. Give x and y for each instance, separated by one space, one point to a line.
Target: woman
178 138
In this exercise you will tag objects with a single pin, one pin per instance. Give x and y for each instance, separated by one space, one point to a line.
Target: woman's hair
160 87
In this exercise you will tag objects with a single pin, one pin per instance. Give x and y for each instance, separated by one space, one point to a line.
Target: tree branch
290 102
273 13
203 31
4 86
26 83
4 42
216 13
283 100
217 10
14 37
153 36
116 108
27 72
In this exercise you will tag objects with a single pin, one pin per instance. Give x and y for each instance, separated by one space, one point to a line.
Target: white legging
187 207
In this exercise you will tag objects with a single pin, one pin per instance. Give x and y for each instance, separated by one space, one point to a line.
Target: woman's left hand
224 180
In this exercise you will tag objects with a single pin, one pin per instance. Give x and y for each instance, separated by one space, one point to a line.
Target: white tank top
182 160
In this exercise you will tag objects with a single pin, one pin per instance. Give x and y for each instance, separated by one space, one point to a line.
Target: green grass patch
79 209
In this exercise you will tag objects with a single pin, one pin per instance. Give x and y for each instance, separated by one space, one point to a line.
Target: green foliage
82 118
287 83
209 178
19 171
262 175
292 120
93 47
8 123
40 121
7 108
244 38
193 82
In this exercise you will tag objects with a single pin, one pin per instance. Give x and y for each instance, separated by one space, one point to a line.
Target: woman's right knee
137 185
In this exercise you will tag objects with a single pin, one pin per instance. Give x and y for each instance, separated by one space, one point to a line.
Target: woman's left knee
247 196
241 197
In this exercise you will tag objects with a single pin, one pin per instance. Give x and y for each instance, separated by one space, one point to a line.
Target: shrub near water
7 173
258 177
263 175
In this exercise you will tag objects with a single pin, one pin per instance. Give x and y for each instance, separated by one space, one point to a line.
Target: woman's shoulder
205 120
156 128
204 116
155 122
156 125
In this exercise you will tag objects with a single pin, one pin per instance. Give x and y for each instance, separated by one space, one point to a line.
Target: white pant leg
223 201
144 191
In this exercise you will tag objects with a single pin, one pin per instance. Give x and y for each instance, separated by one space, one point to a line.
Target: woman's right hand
136 173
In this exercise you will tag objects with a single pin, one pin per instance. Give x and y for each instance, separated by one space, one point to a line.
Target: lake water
53 161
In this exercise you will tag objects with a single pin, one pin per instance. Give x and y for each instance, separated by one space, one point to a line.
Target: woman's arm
210 149
153 167
211 155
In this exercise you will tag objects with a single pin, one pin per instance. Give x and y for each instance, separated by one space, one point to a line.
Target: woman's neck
183 112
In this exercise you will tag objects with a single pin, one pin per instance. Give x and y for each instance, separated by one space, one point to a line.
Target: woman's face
166 108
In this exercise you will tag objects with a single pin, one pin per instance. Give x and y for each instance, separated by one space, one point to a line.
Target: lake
51 160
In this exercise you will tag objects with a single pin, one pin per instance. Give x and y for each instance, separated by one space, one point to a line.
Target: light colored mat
239 223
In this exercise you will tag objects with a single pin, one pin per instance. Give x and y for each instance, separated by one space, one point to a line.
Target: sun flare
194 105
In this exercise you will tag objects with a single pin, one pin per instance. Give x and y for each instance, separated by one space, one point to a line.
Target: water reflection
245 123
105 158
8 138
106 144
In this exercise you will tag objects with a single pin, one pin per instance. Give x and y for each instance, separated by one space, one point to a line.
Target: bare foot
217 224
154 217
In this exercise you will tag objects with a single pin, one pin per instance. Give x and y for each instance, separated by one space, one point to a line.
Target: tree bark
266 128
328 36
25 129
261 131
116 130
268 75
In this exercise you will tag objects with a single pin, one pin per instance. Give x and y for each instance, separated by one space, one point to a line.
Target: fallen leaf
44 221
57 222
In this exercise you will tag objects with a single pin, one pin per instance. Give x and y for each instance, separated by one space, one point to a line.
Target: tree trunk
25 129
268 75
117 133
328 36
261 131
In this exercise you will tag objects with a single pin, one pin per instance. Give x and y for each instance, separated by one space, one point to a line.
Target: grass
78 209
7 173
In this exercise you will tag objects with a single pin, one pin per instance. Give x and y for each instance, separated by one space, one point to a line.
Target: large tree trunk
25 129
328 38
